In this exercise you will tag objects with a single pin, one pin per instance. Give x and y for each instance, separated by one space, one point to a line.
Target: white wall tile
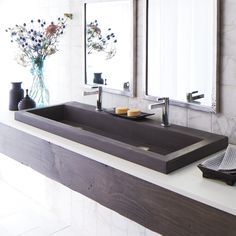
104 214
90 217
4 232
225 126
77 211
178 116
104 221
68 231
61 205
228 12
227 100
18 223
228 35
228 73
36 232
199 120
141 104
118 232
135 229
151 233
119 222
26 180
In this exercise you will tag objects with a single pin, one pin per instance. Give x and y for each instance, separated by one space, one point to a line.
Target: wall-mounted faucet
191 98
164 104
96 90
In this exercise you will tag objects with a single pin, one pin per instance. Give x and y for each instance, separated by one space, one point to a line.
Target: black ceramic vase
26 102
98 78
15 95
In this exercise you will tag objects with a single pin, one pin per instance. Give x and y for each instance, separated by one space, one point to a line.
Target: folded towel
223 162
213 163
229 161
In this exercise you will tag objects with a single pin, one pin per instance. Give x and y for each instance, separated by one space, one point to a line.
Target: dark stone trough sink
143 142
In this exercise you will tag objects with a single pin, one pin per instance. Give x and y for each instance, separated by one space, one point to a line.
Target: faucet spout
164 104
98 91
191 98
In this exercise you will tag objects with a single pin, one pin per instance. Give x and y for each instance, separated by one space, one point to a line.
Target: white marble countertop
187 181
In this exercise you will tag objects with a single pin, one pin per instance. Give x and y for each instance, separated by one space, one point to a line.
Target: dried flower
36 40
51 30
22 60
52 51
96 41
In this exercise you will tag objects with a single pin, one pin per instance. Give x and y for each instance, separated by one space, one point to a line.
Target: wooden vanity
181 203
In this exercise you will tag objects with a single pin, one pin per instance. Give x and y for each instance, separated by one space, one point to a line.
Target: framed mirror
110 46
182 48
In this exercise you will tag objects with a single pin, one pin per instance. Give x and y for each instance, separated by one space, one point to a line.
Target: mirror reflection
182 51
109 45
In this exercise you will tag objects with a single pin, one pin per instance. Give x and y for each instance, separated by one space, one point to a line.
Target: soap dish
228 178
210 169
139 117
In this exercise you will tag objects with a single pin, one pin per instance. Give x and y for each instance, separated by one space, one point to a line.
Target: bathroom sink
143 142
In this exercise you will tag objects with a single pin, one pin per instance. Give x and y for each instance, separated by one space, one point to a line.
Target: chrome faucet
164 104
191 98
98 91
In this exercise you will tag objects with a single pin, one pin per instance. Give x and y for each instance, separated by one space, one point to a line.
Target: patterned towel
224 162
213 163
229 161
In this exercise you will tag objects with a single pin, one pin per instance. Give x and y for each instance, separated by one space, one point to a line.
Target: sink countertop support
148 204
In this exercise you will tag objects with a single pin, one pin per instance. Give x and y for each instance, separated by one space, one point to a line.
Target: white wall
57 66
65 75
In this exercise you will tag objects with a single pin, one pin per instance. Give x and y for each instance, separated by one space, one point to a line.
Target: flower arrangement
97 41
36 41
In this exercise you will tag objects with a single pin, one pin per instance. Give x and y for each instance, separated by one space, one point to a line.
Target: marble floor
21 216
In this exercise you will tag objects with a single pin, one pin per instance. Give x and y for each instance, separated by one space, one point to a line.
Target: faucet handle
191 98
165 99
99 88
90 86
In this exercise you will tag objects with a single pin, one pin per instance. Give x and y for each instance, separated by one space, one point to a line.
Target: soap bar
121 110
133 112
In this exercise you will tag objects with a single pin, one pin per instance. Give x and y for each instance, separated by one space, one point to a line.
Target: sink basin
143 142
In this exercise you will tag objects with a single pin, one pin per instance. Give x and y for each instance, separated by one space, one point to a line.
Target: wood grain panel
154 207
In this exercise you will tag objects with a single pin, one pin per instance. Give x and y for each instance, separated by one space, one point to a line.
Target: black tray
228 178
139 117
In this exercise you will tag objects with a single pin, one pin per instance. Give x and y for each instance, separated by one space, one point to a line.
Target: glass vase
38 91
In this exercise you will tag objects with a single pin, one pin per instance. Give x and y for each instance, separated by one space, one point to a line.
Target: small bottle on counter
15 95
26 102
